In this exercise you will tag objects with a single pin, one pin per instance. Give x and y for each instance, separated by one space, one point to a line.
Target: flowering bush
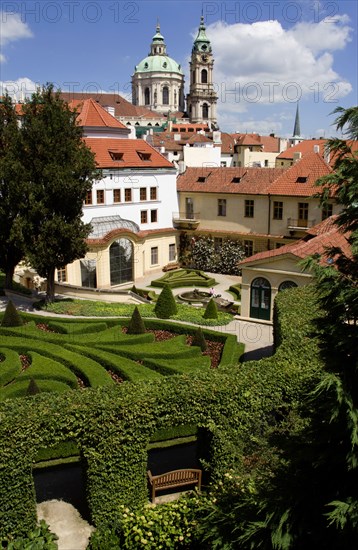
170 525
208 256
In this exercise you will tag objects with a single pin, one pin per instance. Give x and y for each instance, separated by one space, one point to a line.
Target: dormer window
143 155
236 179
301 179
116 155
146 65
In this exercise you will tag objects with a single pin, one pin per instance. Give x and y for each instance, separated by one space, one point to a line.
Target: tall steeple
201 100
297 128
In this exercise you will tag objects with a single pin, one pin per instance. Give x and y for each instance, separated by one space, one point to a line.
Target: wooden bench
175 478
171 266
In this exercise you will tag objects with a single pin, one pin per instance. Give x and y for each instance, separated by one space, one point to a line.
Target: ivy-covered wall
112 426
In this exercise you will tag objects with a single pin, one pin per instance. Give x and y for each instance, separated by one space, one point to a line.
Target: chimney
110 109
316 148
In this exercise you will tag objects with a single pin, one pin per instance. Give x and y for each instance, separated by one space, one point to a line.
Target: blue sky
267 53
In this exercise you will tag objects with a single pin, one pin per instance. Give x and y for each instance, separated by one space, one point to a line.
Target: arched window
147 96
193 77
205 109
165 95
121 261
204 76
260 300
286 284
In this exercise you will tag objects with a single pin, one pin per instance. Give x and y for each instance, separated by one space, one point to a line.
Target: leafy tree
217 259
13 196
60 170
11 316
136 324
310 499
166 305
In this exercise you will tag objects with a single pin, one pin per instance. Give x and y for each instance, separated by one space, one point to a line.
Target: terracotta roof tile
92 114
305 147
299 180
123 108
250 181
108 151
308 246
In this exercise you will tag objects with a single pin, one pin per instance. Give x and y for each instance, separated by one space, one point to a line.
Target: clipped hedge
113 426
184 278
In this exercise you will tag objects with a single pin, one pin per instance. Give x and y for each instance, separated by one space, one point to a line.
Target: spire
158 46
202 43
297 129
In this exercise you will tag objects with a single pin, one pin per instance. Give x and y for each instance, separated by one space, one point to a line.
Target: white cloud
18 89
12 28
264 63
329 34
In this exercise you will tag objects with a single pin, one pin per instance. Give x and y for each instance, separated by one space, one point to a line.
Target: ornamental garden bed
59 355
184 278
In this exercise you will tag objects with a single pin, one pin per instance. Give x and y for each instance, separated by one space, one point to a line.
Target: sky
268 54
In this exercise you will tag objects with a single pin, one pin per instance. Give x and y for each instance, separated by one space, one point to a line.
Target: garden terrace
62 355
112 426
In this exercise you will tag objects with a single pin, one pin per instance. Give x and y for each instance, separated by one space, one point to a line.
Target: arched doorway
260 302
121 261
286 284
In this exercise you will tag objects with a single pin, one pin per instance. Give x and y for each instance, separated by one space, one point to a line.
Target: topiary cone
166 304
136 324
211 311
11 316
199 340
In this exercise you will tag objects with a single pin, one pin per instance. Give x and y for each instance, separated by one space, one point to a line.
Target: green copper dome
158 63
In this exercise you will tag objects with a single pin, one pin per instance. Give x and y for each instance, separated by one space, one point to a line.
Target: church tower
201 100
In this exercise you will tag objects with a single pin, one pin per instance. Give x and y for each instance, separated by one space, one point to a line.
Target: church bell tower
202 99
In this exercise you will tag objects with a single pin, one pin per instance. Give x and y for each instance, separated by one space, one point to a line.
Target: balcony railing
188 219
297 224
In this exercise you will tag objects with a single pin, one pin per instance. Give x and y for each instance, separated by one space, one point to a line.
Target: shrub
136 324
199 340
211 311
40 537
11 316
166 305
32 388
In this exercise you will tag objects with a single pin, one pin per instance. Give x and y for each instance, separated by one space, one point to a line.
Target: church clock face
204 58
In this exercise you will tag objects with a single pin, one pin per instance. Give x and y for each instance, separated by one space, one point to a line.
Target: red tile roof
327 235
164 139
269 144
123 108
305 147
92 114
299 179
131 149
252 181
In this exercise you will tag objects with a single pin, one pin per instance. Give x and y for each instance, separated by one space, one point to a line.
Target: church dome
158 63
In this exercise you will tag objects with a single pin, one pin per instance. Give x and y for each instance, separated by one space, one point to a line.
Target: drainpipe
269 221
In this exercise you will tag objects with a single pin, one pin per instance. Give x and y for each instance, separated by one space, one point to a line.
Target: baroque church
158 81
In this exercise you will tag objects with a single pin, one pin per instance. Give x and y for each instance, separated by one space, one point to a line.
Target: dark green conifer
11 316
166 305
32 388
199 340
136 324
211 311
